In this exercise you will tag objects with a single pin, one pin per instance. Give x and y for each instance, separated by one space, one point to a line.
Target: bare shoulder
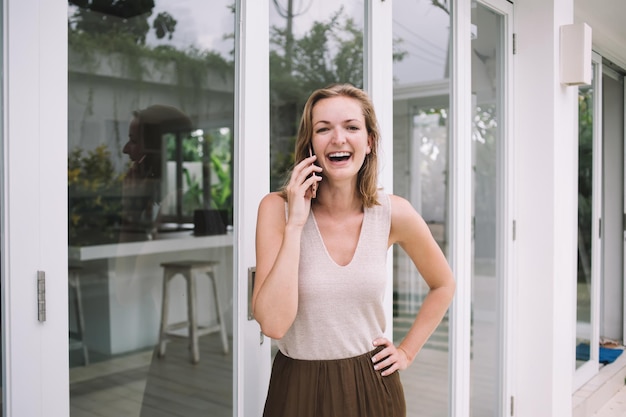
272 209
272 201
400 205
402 211
406 222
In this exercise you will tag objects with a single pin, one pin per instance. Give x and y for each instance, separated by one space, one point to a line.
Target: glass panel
151 100
420 126
312 44
487 266
586 99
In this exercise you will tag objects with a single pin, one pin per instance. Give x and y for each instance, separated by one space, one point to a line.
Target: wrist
292 228
408 356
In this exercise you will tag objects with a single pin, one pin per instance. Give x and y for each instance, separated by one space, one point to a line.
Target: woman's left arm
411 232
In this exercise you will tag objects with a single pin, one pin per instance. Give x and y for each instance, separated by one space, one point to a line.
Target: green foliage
221 191
126 18
220 161
192 199
192 65
94 191
585 150
585 177
164 25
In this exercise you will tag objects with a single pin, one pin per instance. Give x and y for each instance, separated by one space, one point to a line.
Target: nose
338 136
125 149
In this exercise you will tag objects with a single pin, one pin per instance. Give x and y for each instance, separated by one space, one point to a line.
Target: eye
353 128
321 130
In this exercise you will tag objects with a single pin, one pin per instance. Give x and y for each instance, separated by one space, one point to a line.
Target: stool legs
167 275
193 317
74 283
194 331
220 317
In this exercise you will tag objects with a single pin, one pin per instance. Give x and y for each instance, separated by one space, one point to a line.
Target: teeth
339 154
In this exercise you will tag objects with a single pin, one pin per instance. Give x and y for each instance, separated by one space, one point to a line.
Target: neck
338 199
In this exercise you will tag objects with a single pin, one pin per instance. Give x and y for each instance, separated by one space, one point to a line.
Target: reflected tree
121 18
329 52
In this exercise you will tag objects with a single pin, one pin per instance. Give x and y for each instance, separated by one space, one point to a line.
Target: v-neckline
358 243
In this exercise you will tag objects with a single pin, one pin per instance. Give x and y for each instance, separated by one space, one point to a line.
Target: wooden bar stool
189 270
77 337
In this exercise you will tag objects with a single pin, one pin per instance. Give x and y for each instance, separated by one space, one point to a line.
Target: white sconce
575 52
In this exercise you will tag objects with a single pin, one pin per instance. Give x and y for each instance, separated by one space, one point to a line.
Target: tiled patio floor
616 407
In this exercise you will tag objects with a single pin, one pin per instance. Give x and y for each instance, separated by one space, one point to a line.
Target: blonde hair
367 179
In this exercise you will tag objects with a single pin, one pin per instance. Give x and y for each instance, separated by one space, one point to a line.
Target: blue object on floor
607 355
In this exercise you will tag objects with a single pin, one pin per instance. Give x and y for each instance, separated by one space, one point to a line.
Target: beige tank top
340 308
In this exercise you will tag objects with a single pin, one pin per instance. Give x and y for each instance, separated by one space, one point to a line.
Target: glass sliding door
421 165
491 222
158 237
589 223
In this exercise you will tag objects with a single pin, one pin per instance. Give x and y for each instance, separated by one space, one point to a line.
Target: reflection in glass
487 184
312 44
151 116
585 197
421 142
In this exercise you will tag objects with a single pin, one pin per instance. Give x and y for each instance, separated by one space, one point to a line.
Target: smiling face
349 152
340 137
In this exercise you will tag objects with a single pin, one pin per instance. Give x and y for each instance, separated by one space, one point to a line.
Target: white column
546 148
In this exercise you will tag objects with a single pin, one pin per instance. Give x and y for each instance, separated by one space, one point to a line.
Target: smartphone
311 153
314 186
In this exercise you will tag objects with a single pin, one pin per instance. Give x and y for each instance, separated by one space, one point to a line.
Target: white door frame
34 205
253 357
34 218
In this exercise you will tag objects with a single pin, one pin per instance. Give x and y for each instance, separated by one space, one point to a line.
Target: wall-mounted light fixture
575 65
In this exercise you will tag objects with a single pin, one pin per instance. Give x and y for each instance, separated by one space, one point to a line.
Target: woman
322 245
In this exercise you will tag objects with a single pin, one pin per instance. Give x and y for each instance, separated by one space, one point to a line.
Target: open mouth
339 156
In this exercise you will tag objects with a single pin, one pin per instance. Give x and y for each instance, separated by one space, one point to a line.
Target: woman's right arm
275 295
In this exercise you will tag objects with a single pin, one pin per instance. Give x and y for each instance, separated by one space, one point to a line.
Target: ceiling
606 18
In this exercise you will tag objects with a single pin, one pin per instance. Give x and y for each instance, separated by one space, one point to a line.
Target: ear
368 150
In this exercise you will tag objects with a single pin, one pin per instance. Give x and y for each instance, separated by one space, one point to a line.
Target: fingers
301 189
304 178
389 359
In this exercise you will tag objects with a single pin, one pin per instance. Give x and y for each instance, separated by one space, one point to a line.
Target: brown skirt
324 388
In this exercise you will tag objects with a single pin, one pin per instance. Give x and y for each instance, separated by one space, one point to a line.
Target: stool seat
189 270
